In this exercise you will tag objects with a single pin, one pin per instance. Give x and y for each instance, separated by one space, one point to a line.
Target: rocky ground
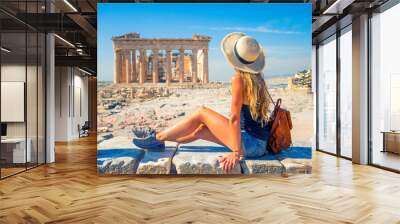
123 107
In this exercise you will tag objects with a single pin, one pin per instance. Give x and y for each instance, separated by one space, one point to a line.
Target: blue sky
284 31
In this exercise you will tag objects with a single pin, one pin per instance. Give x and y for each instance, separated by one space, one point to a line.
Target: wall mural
189 89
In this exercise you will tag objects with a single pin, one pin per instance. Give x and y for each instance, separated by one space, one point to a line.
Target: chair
84 130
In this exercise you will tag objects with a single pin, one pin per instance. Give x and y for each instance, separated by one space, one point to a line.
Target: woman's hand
229 162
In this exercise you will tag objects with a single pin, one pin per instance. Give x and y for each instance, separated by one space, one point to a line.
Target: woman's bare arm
230 161
236 105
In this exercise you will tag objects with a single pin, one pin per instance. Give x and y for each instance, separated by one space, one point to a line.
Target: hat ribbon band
242 60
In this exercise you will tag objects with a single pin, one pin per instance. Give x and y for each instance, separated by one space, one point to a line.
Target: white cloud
258 29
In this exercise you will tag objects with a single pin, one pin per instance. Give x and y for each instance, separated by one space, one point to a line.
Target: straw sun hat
243 52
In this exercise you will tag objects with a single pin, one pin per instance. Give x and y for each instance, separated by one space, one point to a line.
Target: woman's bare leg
201 132
215 123
183 128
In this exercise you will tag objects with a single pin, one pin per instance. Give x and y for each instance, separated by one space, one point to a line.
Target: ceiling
75 22
330 15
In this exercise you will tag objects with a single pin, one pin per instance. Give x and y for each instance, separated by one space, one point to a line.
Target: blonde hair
256 93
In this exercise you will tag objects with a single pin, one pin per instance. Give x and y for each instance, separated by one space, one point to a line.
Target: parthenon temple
160 60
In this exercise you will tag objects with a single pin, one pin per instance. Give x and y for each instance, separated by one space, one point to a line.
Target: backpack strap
271 97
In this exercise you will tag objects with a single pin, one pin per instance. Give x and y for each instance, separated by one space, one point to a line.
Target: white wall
61 103
13 101
12 73
81 94
71 87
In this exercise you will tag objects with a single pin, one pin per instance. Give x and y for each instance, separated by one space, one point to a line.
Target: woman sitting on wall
246 131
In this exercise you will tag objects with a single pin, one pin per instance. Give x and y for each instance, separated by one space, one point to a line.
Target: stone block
120 165
201 157
267 164
156 162
259 166
118 161
294 166
296 160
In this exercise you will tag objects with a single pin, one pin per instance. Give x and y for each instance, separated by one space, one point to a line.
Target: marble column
142 76
133 66
205 66
168 73
127 60
138 67
194 65
146 65
155 66
117 66
181 64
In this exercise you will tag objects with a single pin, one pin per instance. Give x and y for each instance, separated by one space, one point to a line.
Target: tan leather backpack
281 124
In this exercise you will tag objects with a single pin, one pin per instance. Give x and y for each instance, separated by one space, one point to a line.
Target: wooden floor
70 191
5 172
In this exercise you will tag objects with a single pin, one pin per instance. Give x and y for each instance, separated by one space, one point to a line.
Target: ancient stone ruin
160 60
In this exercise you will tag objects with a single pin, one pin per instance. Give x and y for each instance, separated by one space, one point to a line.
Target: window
346 92
22 75
327 95
385 88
